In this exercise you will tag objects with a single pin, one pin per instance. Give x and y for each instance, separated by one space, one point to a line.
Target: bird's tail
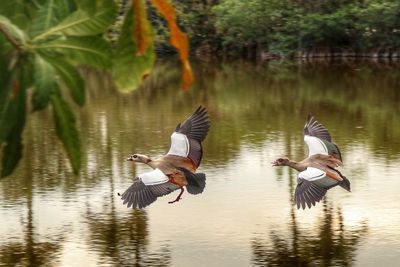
196 181
345 183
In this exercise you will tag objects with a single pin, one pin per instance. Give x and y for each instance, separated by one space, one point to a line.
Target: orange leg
179 196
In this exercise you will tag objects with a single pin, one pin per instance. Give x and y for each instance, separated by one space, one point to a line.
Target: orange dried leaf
142 34
178 39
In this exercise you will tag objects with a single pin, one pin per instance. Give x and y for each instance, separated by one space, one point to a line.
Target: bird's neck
297 165
151 163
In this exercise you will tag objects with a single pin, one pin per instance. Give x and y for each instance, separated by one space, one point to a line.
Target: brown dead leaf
178 39
142 34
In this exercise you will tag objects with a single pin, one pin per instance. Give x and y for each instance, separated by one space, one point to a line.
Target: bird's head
284 161
138 158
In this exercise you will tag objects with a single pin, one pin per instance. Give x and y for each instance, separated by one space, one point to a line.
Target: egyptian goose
318 171
174 170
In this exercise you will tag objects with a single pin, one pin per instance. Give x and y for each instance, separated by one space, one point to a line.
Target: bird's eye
134 156
280 160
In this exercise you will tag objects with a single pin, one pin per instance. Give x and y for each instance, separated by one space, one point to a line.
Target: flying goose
174 170
317 173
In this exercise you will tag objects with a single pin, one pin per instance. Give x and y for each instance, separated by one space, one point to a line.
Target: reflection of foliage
124 241
332 245
30 252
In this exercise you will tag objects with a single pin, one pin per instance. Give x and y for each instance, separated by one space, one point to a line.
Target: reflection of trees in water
332 244
29 251
329 244
124 241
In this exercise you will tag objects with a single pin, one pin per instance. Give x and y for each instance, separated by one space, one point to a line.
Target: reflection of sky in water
246 203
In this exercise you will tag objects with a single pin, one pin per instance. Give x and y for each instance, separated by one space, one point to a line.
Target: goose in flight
318 172
176 169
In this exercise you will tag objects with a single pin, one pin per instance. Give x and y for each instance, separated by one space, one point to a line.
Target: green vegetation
284 27
41 44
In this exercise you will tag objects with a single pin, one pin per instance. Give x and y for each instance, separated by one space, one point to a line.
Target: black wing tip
200 109
310 120
137 196
315 128
177 127
306 204
308 195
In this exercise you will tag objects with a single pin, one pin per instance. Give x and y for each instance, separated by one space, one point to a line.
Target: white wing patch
312 174
315 145
153 177
179 145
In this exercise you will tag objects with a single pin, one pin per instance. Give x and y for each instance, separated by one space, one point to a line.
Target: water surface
246 216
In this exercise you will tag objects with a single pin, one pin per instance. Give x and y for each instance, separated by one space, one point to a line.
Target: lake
246 216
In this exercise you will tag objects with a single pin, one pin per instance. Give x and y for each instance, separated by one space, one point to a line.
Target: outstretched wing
146 188
318 139
187 138
308 193
312 185
316 129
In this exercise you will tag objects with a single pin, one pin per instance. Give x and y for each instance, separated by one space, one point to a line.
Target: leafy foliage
44 85
44 55
71 78
130 68
284 27
63 119
61 36
14 120
91 51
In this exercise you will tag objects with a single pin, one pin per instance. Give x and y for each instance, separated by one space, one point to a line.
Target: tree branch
10 38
